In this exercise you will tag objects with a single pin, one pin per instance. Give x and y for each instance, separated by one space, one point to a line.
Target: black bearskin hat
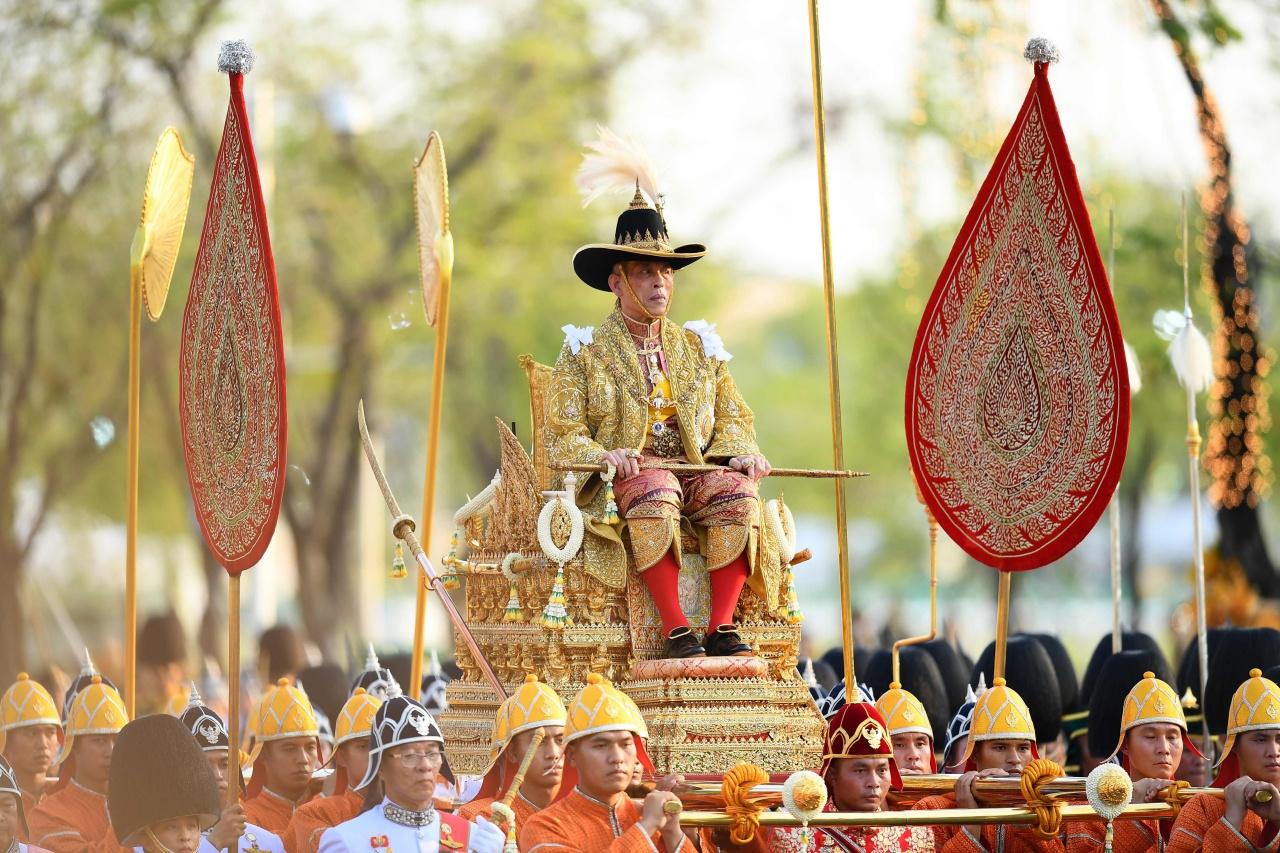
1116 678
162 641
1238 652
280 653
1028 669
952 668
1129 641
1068 684
158 773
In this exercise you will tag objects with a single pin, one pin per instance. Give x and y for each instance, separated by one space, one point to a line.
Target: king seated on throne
639 390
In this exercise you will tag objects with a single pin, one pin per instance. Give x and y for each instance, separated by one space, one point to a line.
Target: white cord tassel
1192 357
614 164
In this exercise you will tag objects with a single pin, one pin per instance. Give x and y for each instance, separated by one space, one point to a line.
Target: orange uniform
73 820
1131 836
480 808
310 820
271 811
1201 826
29 802
995 839
581 824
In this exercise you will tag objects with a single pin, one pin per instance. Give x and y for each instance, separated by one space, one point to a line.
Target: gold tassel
792 614
554 615
514 611
398 570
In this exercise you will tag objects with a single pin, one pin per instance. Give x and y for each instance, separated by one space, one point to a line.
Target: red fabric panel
232 373
1017 401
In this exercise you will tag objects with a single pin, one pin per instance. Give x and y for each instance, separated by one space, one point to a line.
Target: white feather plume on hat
614 164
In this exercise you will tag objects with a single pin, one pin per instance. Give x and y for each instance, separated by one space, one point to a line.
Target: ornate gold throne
703 716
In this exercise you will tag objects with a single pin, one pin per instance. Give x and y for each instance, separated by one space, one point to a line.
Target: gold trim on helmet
601 707
1150 701
1254 706
903 712
26 703
96 710
999 714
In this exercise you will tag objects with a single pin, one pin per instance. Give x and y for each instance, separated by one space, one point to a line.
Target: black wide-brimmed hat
615 164
640 235
158 773
1029 671
401 720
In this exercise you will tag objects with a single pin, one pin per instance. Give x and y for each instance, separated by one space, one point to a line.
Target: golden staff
501 810
933 591
928 817
692 468
1003 594
1005 790
435 265
402 527
152 257
833 360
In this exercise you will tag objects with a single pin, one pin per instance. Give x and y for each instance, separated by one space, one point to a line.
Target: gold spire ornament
166 197
435 268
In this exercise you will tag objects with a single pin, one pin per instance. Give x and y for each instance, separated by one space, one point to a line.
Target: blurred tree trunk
1238 401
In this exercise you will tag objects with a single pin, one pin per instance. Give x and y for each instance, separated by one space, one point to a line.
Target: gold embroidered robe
598 401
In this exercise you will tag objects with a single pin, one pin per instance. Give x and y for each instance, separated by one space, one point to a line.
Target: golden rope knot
741 809
1048 811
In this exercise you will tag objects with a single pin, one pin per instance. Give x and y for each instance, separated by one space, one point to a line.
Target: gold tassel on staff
152 257
833 359
435 261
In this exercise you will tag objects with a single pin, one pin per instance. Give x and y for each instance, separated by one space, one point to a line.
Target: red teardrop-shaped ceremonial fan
232 364
1017 403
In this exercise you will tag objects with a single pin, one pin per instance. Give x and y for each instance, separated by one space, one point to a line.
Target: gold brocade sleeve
734 433
569 438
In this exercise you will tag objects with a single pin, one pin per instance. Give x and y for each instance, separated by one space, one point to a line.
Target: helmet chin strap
649 318
157 845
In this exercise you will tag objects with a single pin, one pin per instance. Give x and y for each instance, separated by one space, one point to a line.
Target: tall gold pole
1002 623
933 594
833 359
429 483
1117 637
131 499
1193 476
233 689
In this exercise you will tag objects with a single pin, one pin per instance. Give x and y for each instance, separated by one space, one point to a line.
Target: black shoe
724 642
683 643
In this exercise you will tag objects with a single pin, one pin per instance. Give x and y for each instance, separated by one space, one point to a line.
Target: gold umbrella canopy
164 216
431 210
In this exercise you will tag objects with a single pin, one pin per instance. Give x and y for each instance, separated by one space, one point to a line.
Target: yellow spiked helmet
1151 701
26 703
96 710
903 712
1254 706
283 712
532 706
1000 714
356 717
601 707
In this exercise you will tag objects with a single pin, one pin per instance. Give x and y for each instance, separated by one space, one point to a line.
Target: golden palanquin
703 716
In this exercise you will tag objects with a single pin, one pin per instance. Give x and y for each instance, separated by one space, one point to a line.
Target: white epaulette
712 345
577 336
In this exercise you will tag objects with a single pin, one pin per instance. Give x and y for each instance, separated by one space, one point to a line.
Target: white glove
485 837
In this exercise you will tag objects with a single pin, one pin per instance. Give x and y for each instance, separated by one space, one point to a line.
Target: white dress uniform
254 837
375 831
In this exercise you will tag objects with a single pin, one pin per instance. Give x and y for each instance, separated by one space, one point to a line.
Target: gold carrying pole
1015 816
1117 638
431 169
234 770
933 591
131 505
833 360
1002 623
1193 477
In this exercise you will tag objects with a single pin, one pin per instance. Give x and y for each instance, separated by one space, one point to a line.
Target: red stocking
726 586
663 581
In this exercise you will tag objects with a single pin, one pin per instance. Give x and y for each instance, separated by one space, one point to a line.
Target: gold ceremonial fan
164 215
431 210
